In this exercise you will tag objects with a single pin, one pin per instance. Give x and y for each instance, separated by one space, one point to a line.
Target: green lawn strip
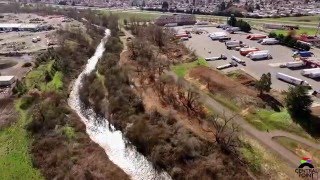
300 149
141 15
182 69
228 103
264 120
308 31
15 159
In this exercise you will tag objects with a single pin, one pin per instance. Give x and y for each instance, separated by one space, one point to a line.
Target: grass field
300 149
141 15
309 31
182 69
15 159
265 120
302 19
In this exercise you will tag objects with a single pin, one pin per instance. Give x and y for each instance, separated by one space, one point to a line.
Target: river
111 140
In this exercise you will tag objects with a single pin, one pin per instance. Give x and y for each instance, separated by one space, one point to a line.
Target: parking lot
203 45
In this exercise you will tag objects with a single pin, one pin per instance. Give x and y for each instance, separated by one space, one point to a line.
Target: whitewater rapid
112 141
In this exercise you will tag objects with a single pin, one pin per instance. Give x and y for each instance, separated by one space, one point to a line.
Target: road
265 138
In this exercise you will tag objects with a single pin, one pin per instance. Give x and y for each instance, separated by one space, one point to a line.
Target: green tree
264 84
298 101
165 6
232 21
243 25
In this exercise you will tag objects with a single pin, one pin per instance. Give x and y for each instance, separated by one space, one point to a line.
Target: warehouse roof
17 25
6 78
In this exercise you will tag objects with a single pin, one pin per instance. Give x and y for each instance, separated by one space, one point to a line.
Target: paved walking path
263 137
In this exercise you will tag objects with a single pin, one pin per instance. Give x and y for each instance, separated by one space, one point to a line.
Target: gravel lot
202 44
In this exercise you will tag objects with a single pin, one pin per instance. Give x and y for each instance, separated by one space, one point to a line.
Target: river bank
48 139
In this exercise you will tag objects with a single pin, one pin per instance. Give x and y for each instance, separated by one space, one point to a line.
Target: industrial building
180 19
6 80
20 27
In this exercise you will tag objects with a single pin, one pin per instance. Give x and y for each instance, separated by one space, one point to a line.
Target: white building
19 27
6 80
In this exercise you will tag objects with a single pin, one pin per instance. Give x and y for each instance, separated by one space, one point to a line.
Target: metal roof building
6 80
19 27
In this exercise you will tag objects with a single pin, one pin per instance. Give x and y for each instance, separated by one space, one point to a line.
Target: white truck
219 36
269 41
292 80
232 29
238 60
233 43
231 64
221 57
259 55
307 72
295 64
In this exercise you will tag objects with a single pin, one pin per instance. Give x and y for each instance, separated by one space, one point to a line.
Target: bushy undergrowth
162 139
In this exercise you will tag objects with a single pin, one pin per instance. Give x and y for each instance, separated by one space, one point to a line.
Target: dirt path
264 137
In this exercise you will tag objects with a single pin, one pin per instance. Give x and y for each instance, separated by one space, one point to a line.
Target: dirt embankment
7 113
238 88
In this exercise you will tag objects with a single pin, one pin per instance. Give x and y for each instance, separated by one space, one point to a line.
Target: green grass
140 15
253 156
69 132
264 120
37 78
309 31
305 19
182 69
15 159
56 83
228 103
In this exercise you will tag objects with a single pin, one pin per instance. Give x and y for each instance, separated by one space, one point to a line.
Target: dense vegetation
169 145
290 41
60 147
243 25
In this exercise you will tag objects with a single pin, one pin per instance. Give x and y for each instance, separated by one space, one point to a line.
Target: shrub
27 64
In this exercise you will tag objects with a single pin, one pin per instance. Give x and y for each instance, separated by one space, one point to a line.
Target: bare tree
226 134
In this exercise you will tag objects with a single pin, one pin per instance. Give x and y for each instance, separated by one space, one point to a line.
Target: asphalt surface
202 45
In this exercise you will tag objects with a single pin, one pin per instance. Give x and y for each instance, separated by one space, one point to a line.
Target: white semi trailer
314 75
259 55
295 64
291 79
221 57
238 60
269 41
307 72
